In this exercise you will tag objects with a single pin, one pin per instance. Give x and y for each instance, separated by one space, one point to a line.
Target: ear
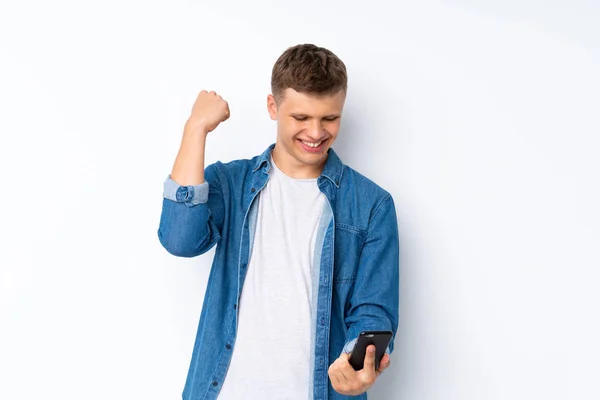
272 107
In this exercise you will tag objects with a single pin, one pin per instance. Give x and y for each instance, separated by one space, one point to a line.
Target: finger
337 374
343 362
337 378
385 362
344 375
345 369
332 375
227 114
370 359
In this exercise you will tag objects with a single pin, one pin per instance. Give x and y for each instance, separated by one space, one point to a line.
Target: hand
208 112
345 380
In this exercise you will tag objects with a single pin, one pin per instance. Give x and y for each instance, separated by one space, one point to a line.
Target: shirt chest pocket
349 241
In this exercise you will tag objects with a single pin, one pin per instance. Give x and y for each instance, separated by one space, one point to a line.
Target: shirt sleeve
374 302
190 195
192 216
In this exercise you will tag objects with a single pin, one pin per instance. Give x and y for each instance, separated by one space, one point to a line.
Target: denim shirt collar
333 166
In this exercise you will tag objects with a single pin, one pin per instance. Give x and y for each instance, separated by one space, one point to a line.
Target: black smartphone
380 339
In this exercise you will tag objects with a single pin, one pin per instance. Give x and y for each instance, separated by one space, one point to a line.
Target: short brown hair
308 69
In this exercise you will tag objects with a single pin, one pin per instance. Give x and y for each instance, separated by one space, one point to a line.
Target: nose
316 131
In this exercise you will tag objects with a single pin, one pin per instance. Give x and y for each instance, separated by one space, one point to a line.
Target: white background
480 117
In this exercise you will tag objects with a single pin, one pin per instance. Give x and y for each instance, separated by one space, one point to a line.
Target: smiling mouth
314 145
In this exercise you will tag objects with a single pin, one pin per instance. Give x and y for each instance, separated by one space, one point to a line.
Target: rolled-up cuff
190 195
349 346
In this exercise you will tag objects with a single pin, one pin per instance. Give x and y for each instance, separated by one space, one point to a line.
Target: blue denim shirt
357 249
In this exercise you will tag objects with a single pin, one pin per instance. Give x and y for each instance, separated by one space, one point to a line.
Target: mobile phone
380 339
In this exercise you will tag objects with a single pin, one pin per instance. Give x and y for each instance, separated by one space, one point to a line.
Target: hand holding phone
380 339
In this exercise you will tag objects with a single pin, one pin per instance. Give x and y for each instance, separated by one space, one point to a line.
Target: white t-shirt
272 353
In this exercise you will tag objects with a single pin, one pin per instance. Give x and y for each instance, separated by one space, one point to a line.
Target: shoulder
359 200
358 184
233 168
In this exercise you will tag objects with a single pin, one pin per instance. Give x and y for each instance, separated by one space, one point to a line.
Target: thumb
370 359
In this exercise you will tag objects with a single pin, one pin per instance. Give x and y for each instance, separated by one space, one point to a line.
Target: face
307 126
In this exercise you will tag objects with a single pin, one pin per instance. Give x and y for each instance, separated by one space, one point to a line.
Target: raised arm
192 213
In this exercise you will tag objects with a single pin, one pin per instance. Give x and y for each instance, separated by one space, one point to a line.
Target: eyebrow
308 116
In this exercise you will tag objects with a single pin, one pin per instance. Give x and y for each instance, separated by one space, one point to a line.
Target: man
307 248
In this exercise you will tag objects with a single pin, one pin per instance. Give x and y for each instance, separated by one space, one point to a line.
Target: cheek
333 129
286 131
296 130
291 129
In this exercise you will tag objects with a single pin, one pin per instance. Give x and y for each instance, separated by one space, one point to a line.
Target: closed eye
304 118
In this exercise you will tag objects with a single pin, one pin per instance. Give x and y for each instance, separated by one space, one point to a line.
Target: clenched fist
208 112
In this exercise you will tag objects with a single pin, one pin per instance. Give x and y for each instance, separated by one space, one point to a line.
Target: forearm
188 168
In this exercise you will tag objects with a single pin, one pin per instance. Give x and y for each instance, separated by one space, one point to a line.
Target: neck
294 169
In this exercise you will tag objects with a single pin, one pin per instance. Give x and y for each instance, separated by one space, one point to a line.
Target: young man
307 248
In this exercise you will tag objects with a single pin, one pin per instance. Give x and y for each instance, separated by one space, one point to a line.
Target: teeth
312 144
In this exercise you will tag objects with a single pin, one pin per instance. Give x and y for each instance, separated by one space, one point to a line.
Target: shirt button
235 306
228 346
215 383
322 321
253 190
